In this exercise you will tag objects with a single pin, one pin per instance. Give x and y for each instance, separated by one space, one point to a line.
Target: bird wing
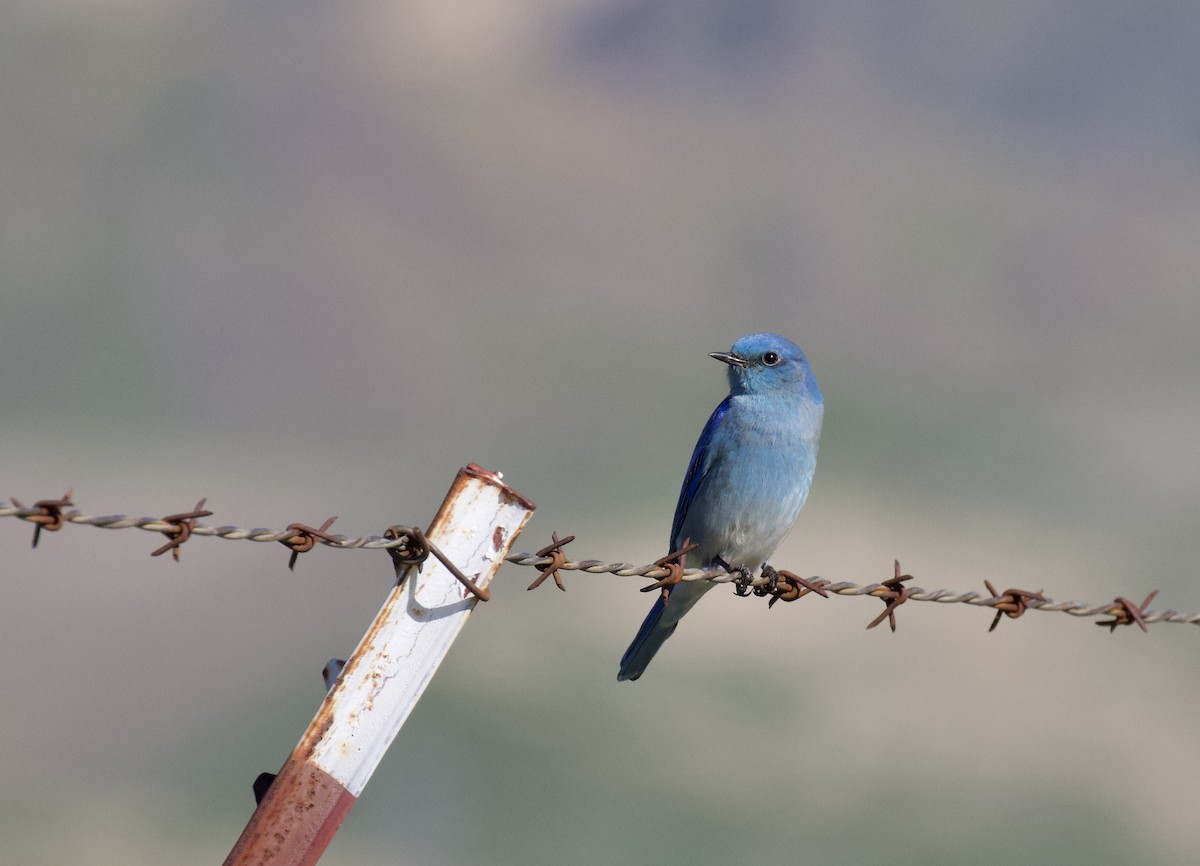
701 459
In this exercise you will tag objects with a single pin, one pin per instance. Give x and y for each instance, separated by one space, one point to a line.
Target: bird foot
741 583
769 587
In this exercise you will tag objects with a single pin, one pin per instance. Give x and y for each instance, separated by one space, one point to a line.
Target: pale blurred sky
308 259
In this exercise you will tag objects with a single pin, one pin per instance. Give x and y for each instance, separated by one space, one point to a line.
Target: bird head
768 364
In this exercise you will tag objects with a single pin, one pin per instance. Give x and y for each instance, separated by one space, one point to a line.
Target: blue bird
747 480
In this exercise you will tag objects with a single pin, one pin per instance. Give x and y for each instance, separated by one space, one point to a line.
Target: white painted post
384 678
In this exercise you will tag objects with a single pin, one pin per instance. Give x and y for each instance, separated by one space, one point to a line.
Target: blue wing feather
696 470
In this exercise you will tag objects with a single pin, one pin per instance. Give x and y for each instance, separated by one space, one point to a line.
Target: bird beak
729 358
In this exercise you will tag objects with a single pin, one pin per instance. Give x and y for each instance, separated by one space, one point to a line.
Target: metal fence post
384 678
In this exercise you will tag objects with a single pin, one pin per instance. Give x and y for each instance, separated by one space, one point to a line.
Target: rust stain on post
297 818
496 478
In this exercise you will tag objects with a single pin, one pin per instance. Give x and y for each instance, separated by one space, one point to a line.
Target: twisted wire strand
231 533
846 588
595 566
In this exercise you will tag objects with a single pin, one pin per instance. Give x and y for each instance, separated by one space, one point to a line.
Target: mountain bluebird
747 481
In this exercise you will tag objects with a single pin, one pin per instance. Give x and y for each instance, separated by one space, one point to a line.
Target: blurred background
307 259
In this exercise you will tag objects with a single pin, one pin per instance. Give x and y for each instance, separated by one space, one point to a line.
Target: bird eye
771 359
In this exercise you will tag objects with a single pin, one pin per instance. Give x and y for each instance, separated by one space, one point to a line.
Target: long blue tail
649 638
659 625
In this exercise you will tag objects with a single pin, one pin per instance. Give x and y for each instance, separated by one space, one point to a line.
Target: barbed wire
49 514
1009 602
408 545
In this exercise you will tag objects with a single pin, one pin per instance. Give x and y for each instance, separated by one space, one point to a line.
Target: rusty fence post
384 678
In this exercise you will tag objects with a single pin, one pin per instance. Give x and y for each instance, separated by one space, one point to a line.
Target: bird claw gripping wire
1125 612
673 563
305 539
771 576
895 596
181 529
793 587
558 559
49 516
416 548
1012 603
742 584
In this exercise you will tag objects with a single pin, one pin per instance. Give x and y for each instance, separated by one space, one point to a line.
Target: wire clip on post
373 694
415 549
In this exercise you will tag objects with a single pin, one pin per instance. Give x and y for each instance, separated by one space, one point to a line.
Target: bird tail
659 625
652 635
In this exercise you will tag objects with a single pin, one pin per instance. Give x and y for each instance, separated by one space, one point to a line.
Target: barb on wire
782 585
793 587
1012 603
897 594
673 563
46 514
1125 612
179 528
305 539
554 550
